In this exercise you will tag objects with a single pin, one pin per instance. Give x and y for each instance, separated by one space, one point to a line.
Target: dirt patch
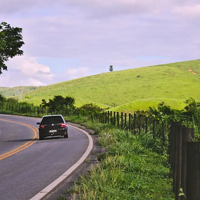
193 72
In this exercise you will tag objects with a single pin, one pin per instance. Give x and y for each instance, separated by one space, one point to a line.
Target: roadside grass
131 168
175 81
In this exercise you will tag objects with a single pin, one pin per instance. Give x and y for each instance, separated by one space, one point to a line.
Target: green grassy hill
16 92
132 89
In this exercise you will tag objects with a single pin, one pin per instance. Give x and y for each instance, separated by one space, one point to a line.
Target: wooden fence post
135 124
176 150
125 120
187 136
171 145
122 120
140 124
179 161
193 170
114 122
118 119
129 120
146 124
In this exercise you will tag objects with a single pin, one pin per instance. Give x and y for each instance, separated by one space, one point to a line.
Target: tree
69 102
91 108
10 43
111 68
2 98
58 103
44 104
12 101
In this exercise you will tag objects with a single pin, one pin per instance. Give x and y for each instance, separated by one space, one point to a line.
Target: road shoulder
84 168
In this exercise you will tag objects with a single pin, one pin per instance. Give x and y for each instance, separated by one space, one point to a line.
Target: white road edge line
52 185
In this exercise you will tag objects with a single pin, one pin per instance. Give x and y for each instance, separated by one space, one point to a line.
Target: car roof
52 116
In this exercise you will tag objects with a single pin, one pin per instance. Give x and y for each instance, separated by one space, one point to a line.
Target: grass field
144 104
16 92
133 89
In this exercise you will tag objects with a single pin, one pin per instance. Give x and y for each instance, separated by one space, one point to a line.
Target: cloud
97 34
89 8
191 11
15 77
26 71
95 9
71 73
16 6
30 67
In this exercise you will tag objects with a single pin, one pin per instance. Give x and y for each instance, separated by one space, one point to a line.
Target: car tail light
63 125
42 126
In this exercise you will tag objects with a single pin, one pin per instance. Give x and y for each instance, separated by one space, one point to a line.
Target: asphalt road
27 172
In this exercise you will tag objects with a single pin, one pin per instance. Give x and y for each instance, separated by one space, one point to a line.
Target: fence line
184 153
184 158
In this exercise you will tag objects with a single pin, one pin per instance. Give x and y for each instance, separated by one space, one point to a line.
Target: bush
91 108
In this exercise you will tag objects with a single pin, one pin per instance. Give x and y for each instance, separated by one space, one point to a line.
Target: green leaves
181 193
11 41
58 103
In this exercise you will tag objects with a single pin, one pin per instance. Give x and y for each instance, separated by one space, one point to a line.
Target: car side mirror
38 123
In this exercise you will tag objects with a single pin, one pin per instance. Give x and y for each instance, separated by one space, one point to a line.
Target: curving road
28 165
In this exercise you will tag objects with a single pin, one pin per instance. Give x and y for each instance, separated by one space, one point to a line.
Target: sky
68 39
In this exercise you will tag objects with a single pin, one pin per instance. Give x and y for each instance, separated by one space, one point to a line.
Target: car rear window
52 120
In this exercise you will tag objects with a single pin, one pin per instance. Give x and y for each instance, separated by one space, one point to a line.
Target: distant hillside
16 92
134 88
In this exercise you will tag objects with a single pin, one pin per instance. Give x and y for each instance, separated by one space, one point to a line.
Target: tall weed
130 169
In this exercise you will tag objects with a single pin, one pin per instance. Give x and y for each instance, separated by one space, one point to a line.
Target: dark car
52 125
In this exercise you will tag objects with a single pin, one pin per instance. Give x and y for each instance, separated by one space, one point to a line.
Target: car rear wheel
41 137
66 135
